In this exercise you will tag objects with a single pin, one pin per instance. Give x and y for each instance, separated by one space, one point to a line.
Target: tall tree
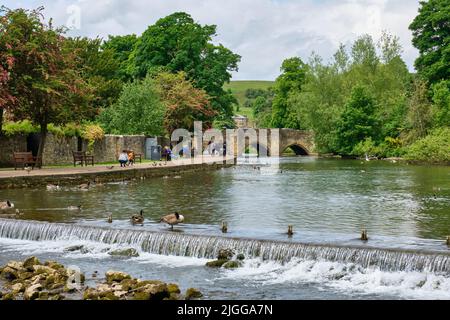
178 43
139 110
358 121
431 35
46 86
291 80
123 47
99 69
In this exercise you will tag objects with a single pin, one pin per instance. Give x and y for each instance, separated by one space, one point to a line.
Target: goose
138 218
74 208
172 219
6 205
85 186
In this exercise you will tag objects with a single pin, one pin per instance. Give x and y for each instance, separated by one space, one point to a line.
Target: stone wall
109 148
58 150
9 145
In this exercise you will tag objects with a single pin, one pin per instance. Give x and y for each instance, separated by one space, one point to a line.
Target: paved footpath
99 169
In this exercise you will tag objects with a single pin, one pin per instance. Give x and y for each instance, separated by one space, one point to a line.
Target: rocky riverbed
32 280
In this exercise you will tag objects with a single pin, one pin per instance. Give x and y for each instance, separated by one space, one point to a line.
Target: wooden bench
25 159
82 158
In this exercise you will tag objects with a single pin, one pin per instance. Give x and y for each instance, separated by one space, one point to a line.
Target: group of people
126 158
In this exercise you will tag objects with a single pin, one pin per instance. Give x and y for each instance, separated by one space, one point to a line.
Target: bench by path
103 173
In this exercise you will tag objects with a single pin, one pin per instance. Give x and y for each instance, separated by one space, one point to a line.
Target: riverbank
32 280
11 179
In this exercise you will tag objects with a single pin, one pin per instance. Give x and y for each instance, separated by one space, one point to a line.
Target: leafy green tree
123 47
358 121
291 80
431 35
441 104
420 115
98 68
43 78
180 44
139 110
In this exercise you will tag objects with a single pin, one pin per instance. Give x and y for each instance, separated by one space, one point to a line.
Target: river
405 209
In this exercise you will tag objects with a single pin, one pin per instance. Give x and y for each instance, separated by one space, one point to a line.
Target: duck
74 208
6 205
172 219
85 186
138 218
110 167
110 219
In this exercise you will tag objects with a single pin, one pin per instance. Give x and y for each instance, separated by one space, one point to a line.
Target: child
131 157
123 158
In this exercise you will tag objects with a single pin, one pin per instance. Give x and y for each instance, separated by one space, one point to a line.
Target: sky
263 32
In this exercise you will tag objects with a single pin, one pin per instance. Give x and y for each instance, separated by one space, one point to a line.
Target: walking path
23 178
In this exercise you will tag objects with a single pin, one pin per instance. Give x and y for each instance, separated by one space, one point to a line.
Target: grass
238 88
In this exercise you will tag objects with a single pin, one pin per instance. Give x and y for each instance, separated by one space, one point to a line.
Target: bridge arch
298 149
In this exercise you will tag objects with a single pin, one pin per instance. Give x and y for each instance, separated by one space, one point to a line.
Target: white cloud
263 32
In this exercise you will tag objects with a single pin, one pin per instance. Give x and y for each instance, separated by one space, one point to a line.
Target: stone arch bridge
274 142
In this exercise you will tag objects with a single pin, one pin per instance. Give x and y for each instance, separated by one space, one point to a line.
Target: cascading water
201 246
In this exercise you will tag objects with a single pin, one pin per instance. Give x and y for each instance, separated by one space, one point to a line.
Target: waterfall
202 246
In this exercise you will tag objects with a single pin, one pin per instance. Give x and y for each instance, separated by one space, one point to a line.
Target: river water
405 208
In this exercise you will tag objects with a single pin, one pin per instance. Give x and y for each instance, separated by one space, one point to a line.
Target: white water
269 264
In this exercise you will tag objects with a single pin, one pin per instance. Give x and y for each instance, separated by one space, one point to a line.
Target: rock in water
232 264
32 292
216 263
30 262
225 254
116 276
193 293
125 253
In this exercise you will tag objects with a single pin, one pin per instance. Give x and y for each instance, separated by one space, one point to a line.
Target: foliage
432 148
441 104
43 77
122 48
357 122
91 132
184 103
431 35
291 79
24 127
139 110
180 44
99 69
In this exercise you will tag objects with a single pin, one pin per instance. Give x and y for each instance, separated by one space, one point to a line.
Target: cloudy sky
263 32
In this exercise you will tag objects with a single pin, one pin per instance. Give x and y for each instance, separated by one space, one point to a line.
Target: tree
43 79
441 104
431 35
99 69
139 110
184 103
357 122
419 115
178 43
291 80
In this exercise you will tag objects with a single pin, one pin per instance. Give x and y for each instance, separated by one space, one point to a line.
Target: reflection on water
321 198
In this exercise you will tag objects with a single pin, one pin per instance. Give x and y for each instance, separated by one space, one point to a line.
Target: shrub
435 147
24 127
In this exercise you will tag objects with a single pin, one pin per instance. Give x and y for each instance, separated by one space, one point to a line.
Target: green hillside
238 88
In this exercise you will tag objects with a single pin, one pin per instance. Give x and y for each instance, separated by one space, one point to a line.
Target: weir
202 246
